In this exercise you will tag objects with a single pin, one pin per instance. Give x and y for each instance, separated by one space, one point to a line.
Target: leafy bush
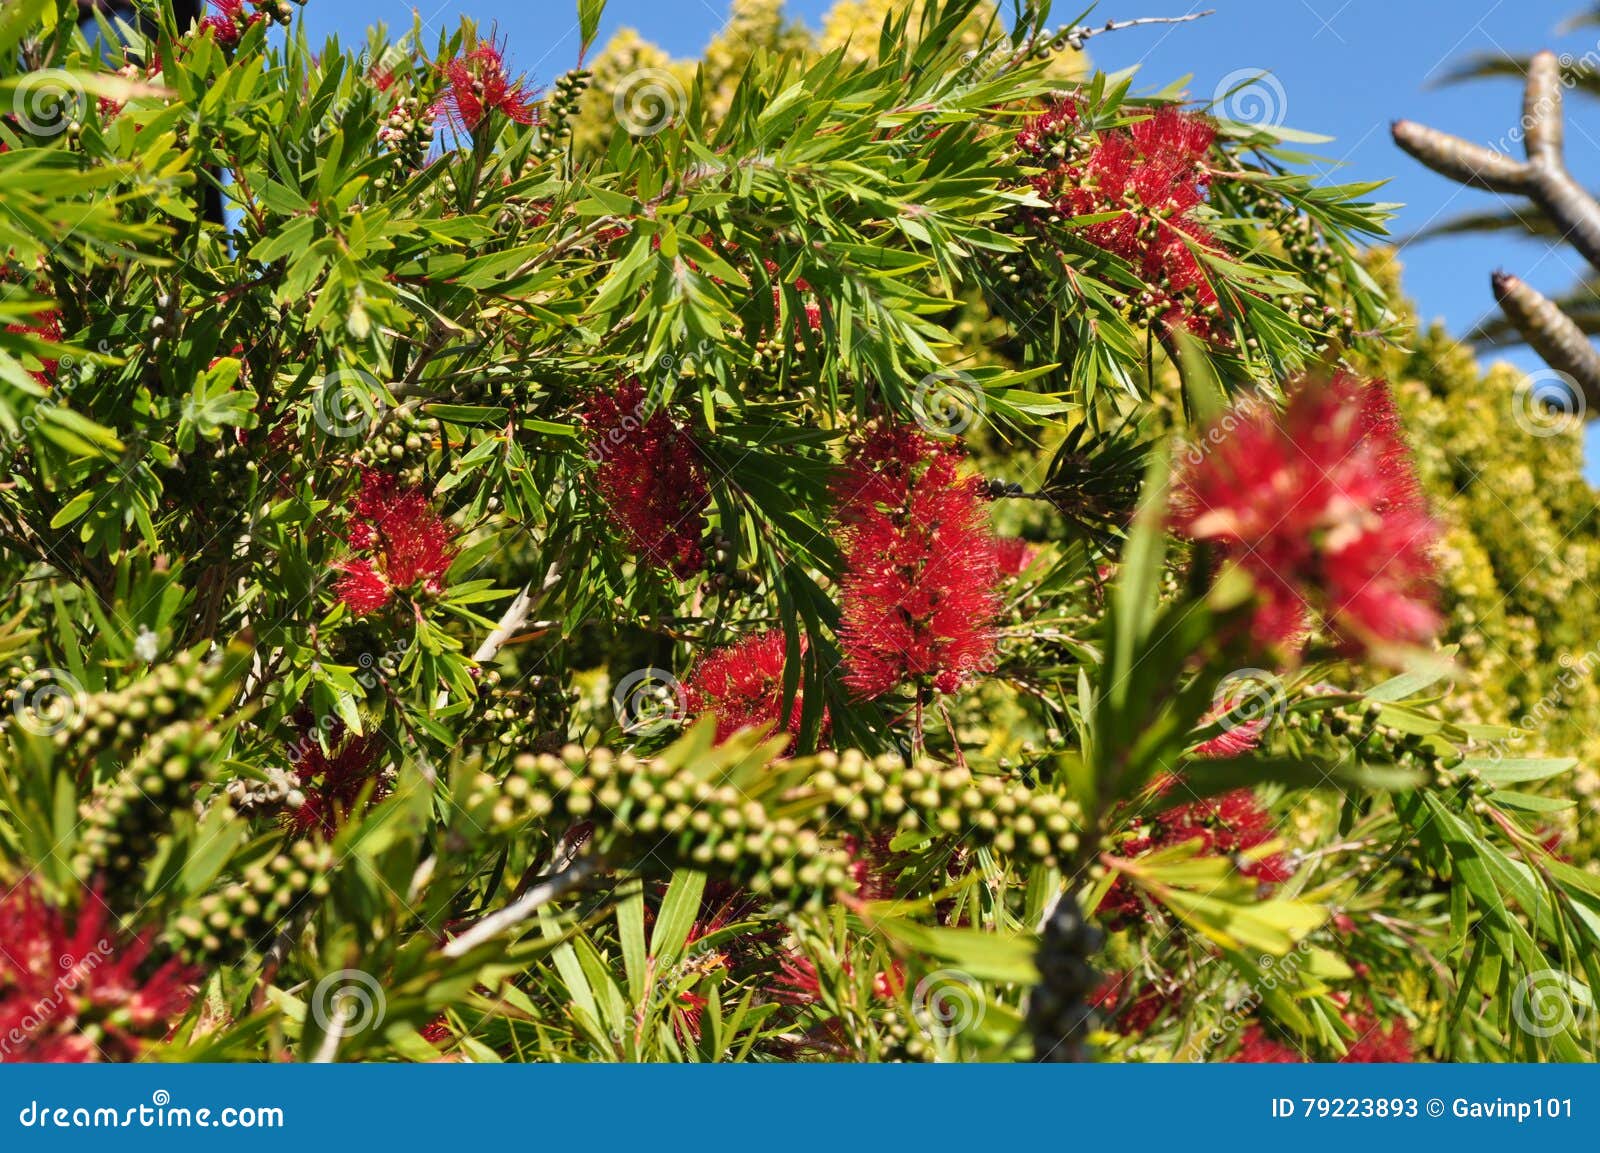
879 552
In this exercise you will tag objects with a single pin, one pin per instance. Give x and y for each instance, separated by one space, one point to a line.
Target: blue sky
1345 68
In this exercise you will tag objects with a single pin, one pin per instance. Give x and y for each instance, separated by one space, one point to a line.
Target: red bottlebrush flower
362 588
1013 555
47 327
331 783
743 686
1319 506
1225 826
1153 176
80 991
1376 1042
918 594
872 866
1256 1048
1240 737
1131 1014
651 478
229 21
408 544
477 84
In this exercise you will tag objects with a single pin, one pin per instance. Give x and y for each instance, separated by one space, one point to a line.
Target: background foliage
356 705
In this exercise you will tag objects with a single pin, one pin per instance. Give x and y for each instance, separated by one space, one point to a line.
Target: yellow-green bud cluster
245 915
649 814
1030 825
119 720
126 818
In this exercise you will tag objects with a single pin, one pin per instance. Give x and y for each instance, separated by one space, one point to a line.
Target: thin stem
524 907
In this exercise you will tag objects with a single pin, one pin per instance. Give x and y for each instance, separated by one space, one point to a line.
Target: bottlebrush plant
892 559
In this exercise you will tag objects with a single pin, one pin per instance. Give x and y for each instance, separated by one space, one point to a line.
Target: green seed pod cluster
124 820
120 720
407 132
245 915
555 127
722 559
1361 726
278 11
529 716
401 443
648 812
1059 1014
1031 826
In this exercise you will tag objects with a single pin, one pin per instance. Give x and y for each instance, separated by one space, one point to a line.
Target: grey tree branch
1543 178
1552 334
524 907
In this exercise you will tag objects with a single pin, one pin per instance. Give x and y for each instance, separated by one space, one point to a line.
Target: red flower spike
1239 738
918 595
651 478
477 84
47 327
1013 555
332 782
407 544
1132 1014
1319 506
1225 825
229 22
1153 176
1256 1048
105 1001
1377 1043
743 686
